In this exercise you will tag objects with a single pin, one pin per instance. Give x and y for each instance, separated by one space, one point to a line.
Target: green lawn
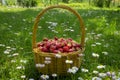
102 38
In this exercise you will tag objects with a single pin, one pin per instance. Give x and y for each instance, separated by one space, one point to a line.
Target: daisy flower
80 78
54 75
95 72
44 77
101 67
47 58
58 55
23 76
84 70
102 75
40 65
69 61
95 55
96 78
72 70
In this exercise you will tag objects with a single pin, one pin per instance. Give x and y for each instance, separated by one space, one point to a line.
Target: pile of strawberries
58 45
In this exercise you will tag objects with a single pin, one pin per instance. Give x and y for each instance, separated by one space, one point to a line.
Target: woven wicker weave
57 65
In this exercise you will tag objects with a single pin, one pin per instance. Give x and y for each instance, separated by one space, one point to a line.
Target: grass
102 36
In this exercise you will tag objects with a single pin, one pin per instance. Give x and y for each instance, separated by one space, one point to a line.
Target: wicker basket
52 63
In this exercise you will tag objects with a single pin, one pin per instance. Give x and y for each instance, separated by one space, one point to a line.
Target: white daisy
23 76
44 77
93 45
105 53
80 78
118 79
47 62
96 78
6 52
23 61
97 43
58 55
72 70
95 55
102 75
69 61
114 78
113 73
1 44
54 75
95 72
15 54
19 67
54 24
13 49
81 55
40 65
47 58
13 61
84 70
8 47
101 67
31 79
75 68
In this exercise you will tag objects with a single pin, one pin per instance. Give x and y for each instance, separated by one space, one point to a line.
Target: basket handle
63 7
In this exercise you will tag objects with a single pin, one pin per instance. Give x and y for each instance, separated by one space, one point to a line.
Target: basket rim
37 51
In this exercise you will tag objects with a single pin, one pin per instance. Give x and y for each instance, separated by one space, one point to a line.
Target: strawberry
58 45
40 44
55 51
44 49
55 38
69 45
60 49
47 45
65 48
71 50
53 47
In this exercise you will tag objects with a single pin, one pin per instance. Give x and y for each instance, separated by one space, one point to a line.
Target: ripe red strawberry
78 45
55 38
63 43
61 39
44 49
71 50
53 47
65 48
55 51
60 49
69 45
73 44
47 45
58 45
39 44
